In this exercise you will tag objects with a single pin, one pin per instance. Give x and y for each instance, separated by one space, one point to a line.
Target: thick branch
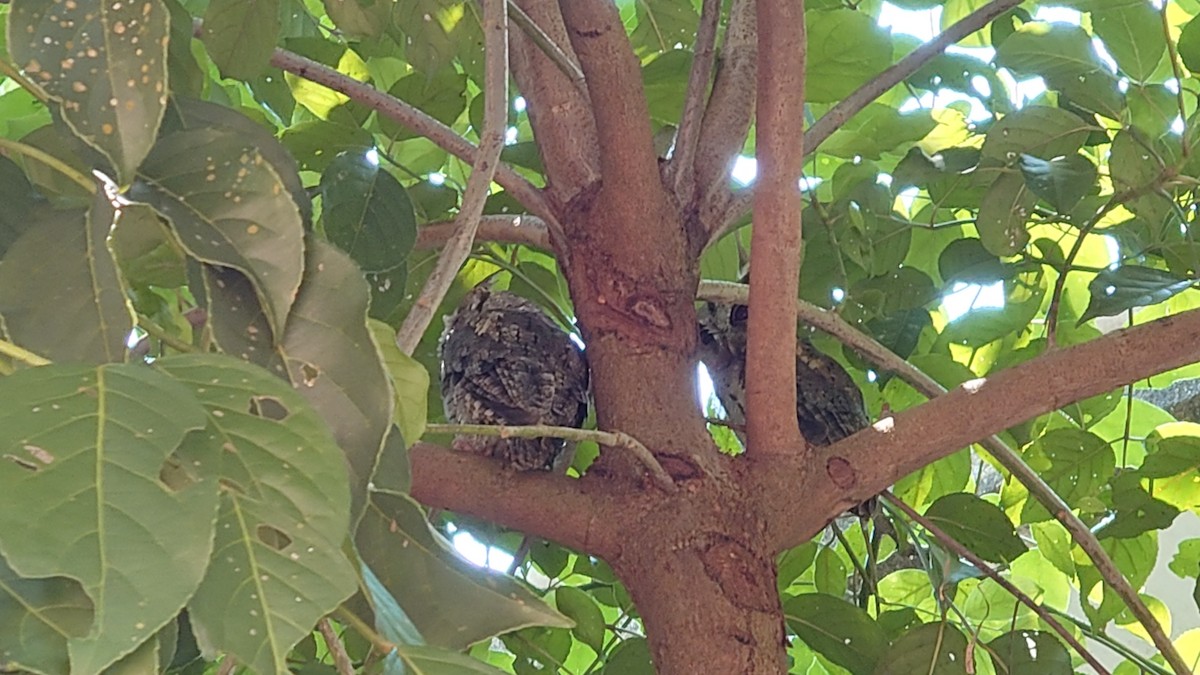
775 242
576 513
558 111
627 159
727 118
867 462
544 42
402 113
864 95
491 142
682 168
527 230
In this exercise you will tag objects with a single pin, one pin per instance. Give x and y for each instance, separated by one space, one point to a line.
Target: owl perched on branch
505 362
829 406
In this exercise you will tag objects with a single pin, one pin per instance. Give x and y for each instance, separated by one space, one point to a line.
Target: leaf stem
43 157
23 355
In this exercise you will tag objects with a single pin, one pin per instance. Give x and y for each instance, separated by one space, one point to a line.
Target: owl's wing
829 405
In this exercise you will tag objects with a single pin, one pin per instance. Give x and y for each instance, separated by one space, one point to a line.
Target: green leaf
410 381
830 573
241 35
661 24
1036 130
367 213
1063 55
421 570
1170 456
878 129
1189 45
360 18
838 630
978 525
442 96
1003 214
146 249
1186 563
277 566
1062 181
630 657
665 82
580 608
833 71
1135 511
316 143
60 294
37 617
105 65
930 649
109 462
966 260
435 661
1115 290
1028 652
1075 463
1133 33
228 207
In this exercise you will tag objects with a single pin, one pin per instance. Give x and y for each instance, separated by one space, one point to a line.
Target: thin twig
417 121
775 240
544 42
157 332
21 354
965 553
491 142
883 358
520 229
1173 54
378 642
228 663
864 95
43 157
681 170
614 439
11 72
341 660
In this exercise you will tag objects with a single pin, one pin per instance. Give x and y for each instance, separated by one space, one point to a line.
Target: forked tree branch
869 461
979 564
883 358
775 242
850 106
483 170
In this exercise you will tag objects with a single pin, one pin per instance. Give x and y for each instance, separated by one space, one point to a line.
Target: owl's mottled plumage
505 362
829 405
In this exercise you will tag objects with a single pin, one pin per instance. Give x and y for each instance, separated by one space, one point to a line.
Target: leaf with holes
838 630
421 570
60 293
109 462
978 525
241 35
1115 290
1036 130
104 63
1062 181
1003 213
277 565
37 617
1030 652
1075 463
366 212
228 207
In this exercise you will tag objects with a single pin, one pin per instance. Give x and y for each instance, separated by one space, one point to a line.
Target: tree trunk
710 606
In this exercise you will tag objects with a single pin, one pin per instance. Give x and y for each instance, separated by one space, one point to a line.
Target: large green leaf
277 565
930 649
878 129
229 207
978 525
421 570
1075 463
1133 33
241 34
60 294
1064 56
360 18
841 632
1062 181
1115 290
37 617
1031 653
833 70
434 661
662 24
104 63
366 212
410 381
1003 213
109 462
1036 130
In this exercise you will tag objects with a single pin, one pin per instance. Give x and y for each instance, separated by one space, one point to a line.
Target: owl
829 406
505 362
